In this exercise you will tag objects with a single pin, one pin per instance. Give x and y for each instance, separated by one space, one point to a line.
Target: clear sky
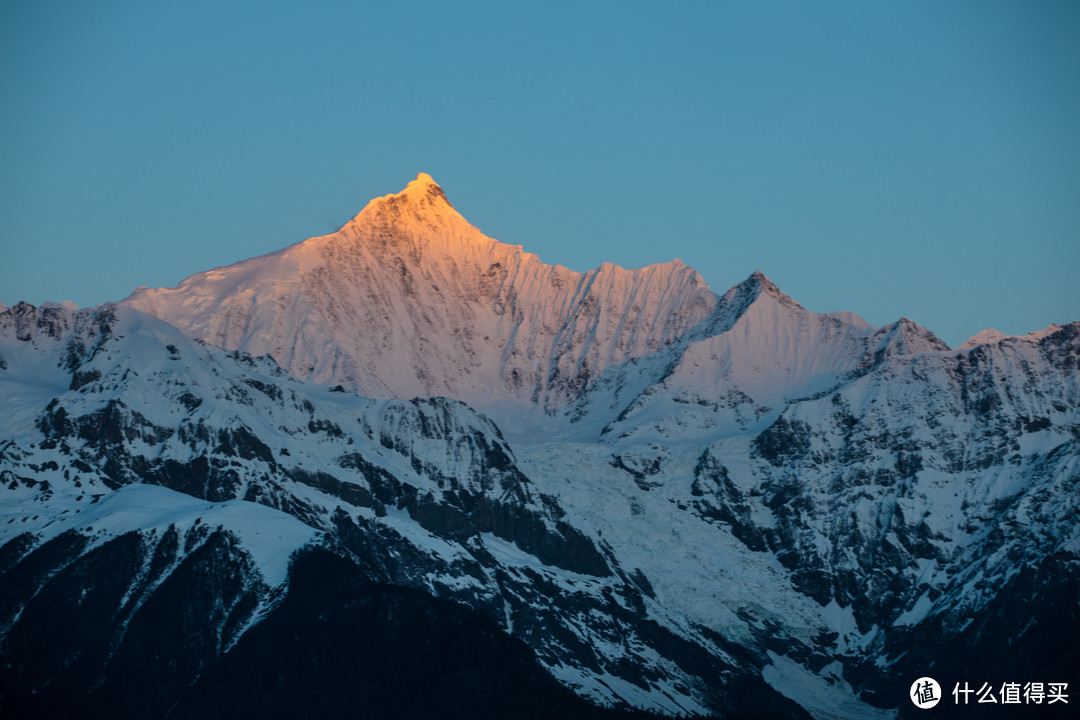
917 159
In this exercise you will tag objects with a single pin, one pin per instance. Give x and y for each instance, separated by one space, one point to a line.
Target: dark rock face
120 629
1023 635
783 441
136 628
332 648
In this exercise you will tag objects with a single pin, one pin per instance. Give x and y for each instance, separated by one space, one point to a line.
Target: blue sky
917 159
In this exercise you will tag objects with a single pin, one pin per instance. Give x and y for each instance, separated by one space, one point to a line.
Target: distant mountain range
409 469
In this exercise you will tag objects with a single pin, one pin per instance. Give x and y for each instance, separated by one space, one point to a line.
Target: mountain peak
992 337
759 280
422 185
758 284
421 198
903 337
423 189
421 208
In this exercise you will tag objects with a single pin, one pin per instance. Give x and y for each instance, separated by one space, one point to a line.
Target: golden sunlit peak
423 195
422 184
424 189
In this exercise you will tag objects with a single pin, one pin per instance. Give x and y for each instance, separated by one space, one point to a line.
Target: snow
509 554
451 311
986 337
269 536
823 699
402 522
421 187
26 385
992 336
849 318
707 576
917 612
606 689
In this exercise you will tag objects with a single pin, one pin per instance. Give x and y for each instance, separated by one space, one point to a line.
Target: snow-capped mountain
674 501
409 299
990 336
422 494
